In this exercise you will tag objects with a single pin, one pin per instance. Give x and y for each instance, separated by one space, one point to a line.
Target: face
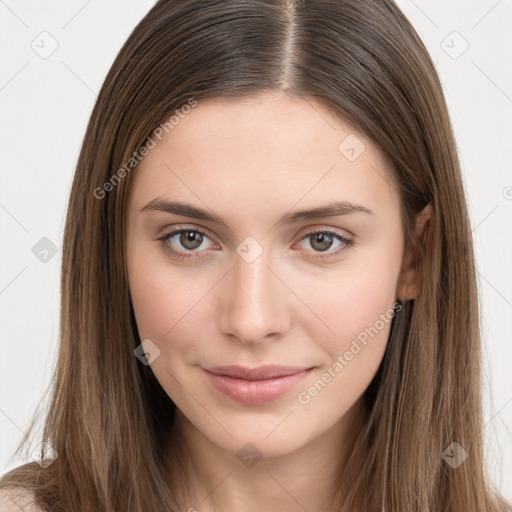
264 287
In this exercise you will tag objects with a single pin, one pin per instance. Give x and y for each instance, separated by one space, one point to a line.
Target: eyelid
346 240
306 230
170 228
319 227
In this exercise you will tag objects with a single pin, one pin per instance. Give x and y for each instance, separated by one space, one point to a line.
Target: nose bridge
253 306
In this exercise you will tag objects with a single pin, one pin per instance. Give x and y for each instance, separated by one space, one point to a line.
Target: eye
322 240
189 239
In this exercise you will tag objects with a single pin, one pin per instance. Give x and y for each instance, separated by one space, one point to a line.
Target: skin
252 161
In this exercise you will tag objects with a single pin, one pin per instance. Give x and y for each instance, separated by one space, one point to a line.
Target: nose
253 301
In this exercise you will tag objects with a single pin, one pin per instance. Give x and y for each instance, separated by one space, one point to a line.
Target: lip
257 385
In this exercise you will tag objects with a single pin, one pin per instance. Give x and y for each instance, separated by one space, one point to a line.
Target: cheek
158 300
151 293
169 304
360 313
356 306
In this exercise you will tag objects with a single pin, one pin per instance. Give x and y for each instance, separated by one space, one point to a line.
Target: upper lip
259 373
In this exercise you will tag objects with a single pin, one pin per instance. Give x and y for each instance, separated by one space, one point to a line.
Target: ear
409 284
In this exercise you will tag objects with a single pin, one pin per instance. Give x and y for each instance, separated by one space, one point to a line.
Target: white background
45 105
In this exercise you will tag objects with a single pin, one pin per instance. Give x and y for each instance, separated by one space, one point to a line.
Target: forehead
271 147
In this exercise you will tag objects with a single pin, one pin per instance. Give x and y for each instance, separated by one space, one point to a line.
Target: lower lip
255 392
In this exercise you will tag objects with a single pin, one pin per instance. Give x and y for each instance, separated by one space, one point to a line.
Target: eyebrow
330 210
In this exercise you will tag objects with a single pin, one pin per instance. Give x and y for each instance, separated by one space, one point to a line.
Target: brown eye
185 243
320 241
191 239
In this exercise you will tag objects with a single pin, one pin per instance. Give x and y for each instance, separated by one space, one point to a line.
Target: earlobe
409 285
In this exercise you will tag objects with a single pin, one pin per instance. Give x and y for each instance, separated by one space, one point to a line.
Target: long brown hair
108 418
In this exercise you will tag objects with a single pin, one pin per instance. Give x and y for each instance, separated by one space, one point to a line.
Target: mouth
258 385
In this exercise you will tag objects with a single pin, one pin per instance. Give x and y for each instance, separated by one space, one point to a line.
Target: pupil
321 237
190 237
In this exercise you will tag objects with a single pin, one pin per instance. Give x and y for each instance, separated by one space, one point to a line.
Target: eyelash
346 242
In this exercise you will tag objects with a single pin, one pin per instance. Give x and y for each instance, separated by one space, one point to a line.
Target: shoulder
14 500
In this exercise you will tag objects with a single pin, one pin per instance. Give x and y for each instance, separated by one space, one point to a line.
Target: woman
268 283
